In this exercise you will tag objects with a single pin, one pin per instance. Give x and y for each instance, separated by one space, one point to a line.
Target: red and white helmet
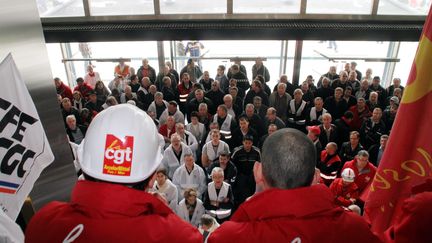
348 175
121 145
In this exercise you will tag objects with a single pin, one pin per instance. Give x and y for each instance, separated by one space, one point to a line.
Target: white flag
24 147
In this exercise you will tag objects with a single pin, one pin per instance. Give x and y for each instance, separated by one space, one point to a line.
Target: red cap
314 129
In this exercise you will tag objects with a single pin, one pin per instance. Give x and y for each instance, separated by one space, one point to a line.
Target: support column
297 62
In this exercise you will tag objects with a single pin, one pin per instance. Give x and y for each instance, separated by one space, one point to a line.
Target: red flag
407 160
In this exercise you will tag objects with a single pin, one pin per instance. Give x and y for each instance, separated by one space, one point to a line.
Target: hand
352 200
317 177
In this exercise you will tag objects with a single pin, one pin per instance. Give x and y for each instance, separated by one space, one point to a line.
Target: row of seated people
143 91
357 116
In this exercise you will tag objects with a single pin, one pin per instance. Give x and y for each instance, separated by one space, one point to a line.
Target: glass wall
68 8
192 6
316 55
338 7
60 8
407 53
121 7
269 6
404 7
135 50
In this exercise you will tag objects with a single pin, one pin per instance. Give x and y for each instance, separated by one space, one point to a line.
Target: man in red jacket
119 159
363 169
62 89
289 209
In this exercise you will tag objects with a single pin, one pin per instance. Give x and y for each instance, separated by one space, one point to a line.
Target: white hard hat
121 145
348 175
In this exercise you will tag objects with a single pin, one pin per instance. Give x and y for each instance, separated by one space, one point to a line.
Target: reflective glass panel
314 63
268 6
55 57
339 7
219 53
407 51
121 7
404 7
192 6
135 50
60 8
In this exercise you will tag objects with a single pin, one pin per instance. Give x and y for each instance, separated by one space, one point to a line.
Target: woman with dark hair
102 91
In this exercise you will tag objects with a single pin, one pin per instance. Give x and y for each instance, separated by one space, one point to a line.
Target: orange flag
407 160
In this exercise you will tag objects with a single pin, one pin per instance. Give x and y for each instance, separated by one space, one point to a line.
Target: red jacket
163 130
342 193
84 89
109 213
415 221
329 166
306 214
359 118
364 177
65 91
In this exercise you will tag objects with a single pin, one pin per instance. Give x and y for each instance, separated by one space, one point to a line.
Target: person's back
307 214
289 209
119 159
93 216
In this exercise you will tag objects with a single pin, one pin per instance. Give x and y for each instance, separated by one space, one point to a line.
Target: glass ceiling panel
192 6
404 7
121 7
268 6
60 8
339 7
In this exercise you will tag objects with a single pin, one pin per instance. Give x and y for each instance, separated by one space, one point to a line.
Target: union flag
407 160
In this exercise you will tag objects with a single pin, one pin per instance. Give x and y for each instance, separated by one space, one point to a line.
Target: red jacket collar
98 199
294 203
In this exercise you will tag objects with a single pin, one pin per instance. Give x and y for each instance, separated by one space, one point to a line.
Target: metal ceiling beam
307 29
237 16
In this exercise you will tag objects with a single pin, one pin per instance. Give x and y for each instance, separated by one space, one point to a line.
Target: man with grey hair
272 118
233 109
280 99
146 71
396 84
289 86
199 99
282 212
76 133
218 198
363 169
159 105
316 112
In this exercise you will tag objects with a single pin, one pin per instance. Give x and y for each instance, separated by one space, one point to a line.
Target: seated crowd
211 130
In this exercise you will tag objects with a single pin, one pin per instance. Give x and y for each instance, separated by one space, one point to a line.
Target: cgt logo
118 155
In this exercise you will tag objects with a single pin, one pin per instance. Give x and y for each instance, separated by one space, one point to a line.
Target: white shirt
170 161
92 80
196 179
183 212
169 191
